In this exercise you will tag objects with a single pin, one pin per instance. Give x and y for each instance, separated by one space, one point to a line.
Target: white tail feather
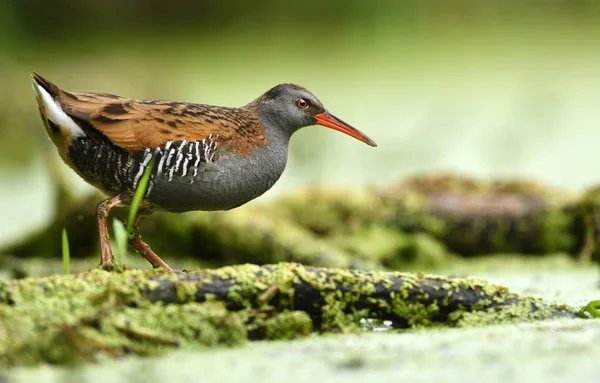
55 112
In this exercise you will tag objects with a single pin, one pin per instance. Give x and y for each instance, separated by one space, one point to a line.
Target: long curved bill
330 121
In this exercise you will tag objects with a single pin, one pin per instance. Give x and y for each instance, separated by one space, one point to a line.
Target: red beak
330 121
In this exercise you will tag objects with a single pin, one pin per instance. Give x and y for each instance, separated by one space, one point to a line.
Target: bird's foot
106 257
107 266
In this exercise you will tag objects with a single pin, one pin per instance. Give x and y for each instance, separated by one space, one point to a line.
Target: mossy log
472 217
335 298
70 318
455 214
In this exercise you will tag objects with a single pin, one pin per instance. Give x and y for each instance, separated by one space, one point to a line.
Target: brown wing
135 125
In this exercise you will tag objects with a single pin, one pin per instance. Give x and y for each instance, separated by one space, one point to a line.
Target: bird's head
289 107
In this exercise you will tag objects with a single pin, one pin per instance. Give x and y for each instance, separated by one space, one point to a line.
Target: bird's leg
143 248
135 240
102 210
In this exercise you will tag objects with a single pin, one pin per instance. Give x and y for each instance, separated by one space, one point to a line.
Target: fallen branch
73 318
336 298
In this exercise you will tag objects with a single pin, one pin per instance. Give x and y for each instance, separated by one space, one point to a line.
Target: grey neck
278 130
274 155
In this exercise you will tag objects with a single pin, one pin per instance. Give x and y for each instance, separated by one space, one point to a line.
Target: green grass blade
66 253
138 196
591 309
121 237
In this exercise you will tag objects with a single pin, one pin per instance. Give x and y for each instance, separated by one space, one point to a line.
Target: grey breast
201 176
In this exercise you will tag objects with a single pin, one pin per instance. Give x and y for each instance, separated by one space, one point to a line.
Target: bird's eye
302 103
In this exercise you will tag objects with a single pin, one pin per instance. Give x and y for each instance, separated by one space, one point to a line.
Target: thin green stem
139 194
66 253
121 237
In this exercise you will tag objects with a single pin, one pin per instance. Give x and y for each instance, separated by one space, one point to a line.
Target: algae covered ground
549 352
72 319
323 261
556 350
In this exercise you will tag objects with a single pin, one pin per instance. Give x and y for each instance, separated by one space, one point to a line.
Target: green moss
63 319
506 314
423 222
472 217
72 332
284 326
328 212
71 318
249 234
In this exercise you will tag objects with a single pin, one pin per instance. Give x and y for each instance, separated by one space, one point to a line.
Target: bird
206 157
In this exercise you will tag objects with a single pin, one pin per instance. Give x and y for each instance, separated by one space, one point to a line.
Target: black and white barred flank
114 169
173 153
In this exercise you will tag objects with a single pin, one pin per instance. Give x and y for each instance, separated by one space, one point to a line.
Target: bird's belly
227 183
178 182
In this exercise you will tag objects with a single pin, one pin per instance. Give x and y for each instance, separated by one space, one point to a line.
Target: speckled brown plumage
137 124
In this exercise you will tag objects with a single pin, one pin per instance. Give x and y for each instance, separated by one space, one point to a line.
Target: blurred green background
486 88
